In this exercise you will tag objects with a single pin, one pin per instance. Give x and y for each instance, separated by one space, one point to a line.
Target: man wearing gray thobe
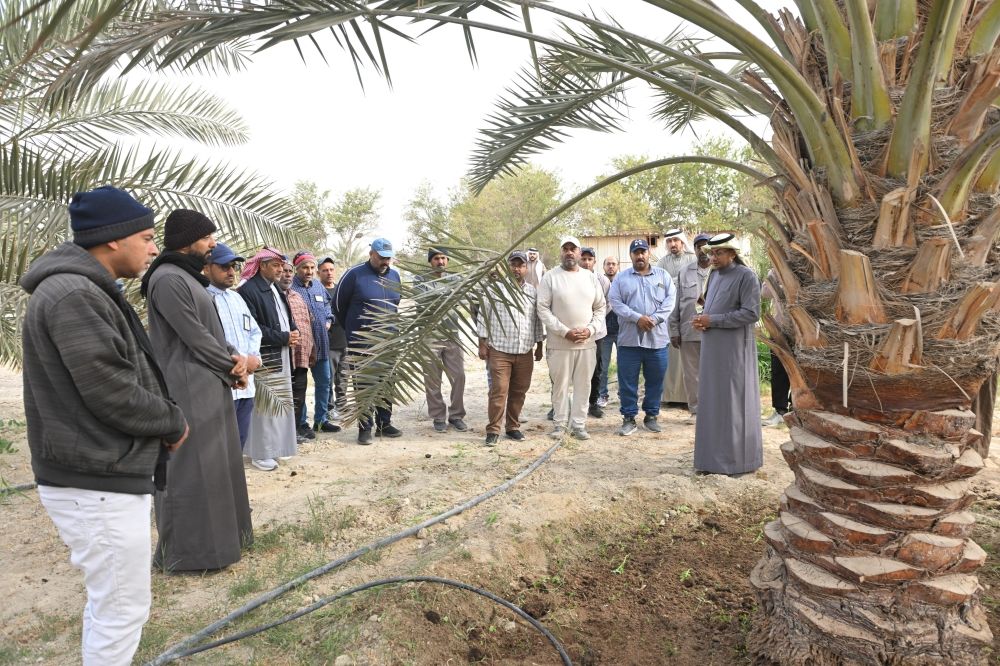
678 256
727 438
203 516
683 336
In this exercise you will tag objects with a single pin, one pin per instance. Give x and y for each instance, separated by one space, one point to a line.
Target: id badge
246 322
319 299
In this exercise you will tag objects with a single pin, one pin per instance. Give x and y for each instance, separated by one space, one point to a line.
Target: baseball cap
222 255
383 247
638 244
702 237
327 260
588 250
570 239
517 254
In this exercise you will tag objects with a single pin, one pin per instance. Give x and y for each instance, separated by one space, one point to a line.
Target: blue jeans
321 379
653 363
604 346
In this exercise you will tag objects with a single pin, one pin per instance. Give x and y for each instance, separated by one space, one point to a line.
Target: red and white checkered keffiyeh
253 265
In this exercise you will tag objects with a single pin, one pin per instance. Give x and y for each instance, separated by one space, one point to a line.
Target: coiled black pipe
18 488
378 583
171 653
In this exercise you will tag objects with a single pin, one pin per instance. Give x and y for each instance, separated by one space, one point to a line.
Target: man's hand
240 367
484 350
173 446
701 322
294 337
675 342
253 362
578 335
646 323
538 352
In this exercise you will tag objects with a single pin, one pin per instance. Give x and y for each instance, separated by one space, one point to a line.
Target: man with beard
272 436
365 292
338 344
571 304
588 260
536 269
605 344
448 350
727 437
678 256
642 296
203 516
100 421
304 353
318 301
683 336
242 331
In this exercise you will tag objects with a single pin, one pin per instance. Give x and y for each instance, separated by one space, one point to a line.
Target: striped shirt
241 330
513 329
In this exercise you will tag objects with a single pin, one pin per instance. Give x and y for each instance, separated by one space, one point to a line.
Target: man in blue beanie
100 422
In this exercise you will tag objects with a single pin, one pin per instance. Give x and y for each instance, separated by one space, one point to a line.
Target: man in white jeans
571 305
100 423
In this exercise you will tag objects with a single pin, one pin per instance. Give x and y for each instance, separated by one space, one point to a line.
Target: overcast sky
314 122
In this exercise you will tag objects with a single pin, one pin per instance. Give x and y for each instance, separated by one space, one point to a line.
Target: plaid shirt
512 330
304 355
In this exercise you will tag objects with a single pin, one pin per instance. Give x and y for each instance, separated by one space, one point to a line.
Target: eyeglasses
231 266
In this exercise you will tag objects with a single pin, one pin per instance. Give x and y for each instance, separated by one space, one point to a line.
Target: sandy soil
386 487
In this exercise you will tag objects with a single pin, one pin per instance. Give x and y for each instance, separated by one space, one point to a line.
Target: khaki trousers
690 356
510 379
570 371
452 359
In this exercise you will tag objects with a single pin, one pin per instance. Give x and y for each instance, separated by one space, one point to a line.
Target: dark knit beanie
433 252
184 227
106 214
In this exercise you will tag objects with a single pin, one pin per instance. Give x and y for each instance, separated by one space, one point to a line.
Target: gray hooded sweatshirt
96 404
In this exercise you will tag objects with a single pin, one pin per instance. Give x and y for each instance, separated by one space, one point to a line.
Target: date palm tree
882 155
49 150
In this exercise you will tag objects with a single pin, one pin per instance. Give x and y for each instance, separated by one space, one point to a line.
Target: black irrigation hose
171 653
17 489
378 583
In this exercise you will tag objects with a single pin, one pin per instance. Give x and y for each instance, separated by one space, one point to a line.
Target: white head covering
724 242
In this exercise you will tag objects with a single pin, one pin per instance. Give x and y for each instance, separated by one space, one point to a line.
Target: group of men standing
117 416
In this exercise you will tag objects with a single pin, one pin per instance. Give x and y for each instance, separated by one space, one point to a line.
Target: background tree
49 151
336 228
883 146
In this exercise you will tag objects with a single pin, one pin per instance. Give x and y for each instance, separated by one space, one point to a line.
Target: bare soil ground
614 544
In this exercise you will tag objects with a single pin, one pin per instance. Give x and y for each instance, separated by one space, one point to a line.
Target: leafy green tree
336 227
884 145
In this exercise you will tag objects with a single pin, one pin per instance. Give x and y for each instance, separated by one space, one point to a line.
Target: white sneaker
265 464
558 432
602 401
579 433
773 420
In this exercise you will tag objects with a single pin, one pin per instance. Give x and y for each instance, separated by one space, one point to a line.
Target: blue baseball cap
222 255
638 244
383 247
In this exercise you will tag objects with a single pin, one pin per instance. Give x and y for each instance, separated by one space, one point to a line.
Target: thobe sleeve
748 311
674 322
175 302
107 381
544 302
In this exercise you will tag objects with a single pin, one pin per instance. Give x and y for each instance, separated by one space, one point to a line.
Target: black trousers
300 380
595 381
338 396
781 387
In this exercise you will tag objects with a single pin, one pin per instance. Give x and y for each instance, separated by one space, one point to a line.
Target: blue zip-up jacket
319 304
362 293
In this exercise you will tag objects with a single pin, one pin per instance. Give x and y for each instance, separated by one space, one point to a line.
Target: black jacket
95 400
260 299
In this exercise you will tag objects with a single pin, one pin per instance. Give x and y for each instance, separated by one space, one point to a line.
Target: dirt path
336 496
